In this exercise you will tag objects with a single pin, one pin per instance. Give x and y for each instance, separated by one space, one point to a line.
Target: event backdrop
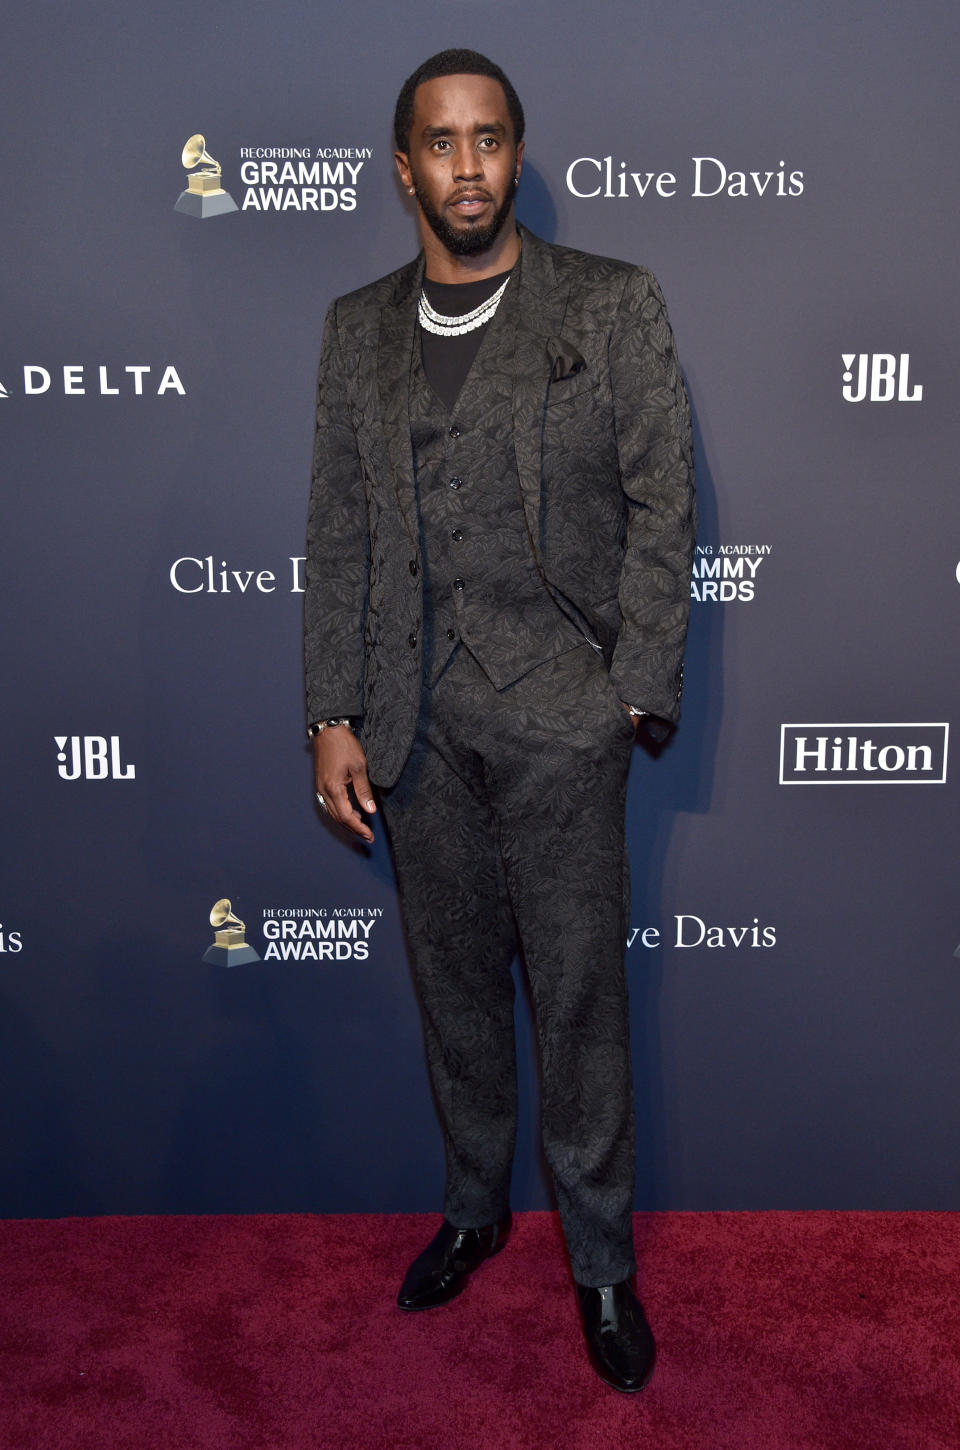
789 175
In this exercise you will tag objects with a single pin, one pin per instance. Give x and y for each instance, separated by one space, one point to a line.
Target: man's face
462 160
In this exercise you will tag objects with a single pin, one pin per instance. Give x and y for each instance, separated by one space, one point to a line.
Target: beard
471 239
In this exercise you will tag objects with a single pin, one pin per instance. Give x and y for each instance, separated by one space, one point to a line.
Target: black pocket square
567 362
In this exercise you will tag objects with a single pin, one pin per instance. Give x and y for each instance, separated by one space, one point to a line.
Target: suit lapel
397 331
541 309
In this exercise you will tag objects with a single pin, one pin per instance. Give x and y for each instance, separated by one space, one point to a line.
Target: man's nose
467 164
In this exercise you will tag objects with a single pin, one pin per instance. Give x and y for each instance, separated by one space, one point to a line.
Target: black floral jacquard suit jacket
601 432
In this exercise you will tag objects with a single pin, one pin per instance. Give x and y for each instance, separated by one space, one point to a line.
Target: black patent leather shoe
619 1339
442 1270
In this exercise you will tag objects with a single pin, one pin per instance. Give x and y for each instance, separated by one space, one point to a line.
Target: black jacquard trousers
507 824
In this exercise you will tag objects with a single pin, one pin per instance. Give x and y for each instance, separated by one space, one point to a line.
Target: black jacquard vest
481 584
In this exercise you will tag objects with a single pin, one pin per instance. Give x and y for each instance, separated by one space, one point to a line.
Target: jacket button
412 640
456 482
413 566
457 536
451 634
458 584
454 431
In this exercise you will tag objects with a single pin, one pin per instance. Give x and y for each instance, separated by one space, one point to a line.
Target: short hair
452 63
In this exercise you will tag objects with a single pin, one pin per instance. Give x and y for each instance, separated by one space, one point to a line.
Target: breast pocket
569 392
576 419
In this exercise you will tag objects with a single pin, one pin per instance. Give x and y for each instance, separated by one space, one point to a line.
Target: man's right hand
338 762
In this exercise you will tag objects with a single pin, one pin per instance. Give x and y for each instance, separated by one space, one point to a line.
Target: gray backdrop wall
793 971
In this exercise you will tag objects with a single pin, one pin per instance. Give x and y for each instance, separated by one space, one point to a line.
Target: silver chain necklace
442 326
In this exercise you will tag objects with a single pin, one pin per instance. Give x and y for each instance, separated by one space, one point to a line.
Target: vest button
413 566
456 482
457 535
454 432
458 584
412 640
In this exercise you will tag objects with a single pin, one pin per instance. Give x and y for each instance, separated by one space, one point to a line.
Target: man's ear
403 167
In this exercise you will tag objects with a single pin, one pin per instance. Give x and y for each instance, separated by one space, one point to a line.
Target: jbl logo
878 377
92 757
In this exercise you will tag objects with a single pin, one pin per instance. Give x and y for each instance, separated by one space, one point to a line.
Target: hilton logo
878 377
91 757
863 754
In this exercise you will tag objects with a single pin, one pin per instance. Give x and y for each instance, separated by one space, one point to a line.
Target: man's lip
469 197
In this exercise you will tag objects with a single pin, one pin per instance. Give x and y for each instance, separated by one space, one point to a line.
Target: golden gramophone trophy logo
204 196
229 946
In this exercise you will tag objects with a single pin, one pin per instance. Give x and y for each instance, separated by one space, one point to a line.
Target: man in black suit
498 578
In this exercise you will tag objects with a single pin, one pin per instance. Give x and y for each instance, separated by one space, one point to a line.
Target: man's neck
444 266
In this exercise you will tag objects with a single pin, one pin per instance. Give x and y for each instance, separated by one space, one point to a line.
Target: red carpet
777 1331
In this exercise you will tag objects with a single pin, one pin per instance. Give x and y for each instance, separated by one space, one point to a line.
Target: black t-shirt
447 360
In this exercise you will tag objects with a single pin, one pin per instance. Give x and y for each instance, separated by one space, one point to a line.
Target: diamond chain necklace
442 326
